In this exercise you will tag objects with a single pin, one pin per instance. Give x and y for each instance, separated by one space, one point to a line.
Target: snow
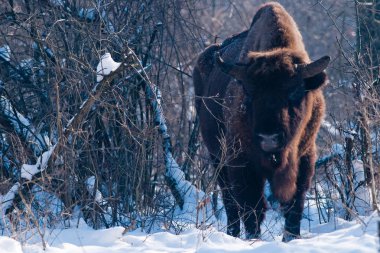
23 127
9 245
89 14
337 149
5 53
337 236
363 199
49 52
105 66
330 128
6 201
90 184
29 170
196 207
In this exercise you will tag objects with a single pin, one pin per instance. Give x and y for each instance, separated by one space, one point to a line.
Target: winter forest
100 144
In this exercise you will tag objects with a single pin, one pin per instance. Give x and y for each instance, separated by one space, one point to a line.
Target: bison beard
265 101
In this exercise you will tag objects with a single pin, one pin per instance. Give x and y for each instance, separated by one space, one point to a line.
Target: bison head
276 86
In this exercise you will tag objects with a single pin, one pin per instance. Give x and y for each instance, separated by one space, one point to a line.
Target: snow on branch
106 70
23 127
28 172
6 201
106 66
90 184
5 53
330 128
191 200
193 203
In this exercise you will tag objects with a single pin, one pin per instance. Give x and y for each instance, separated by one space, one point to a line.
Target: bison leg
232 211
253 212
294 209
249 191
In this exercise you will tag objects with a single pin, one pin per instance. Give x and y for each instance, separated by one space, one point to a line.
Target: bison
260 105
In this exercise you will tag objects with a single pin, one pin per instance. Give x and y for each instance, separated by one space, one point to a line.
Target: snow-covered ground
338 236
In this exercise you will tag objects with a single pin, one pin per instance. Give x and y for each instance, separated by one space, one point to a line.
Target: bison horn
235 70
315 67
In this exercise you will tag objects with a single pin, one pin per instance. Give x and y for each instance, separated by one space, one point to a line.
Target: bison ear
313 74
315 67
316 81
238 71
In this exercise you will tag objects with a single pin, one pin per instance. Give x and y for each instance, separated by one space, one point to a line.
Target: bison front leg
294 209
230 204
249 192
252 214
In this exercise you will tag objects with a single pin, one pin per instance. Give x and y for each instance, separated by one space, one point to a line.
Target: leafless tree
106 139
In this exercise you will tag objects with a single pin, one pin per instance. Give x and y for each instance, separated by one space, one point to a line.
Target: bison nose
271 142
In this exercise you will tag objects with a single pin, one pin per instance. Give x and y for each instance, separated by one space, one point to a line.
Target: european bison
260 105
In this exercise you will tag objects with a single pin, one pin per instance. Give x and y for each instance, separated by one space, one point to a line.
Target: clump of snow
29 170
90 183
23 127
106 66
5 53
6 201
330 128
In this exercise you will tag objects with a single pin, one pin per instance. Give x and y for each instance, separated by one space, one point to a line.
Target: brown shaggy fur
270 96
